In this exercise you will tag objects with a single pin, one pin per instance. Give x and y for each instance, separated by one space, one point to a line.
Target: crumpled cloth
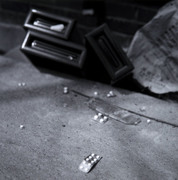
154 51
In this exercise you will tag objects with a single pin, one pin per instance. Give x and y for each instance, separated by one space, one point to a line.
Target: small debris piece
66 90
111 94
22 126
148 121
89 162
136 123
143 108
96 93
71 58
23 84
58 27
19 84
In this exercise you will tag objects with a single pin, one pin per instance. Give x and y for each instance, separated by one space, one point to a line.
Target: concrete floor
60 131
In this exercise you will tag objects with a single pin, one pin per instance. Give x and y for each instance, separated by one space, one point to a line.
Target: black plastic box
49 51
102 47
57 26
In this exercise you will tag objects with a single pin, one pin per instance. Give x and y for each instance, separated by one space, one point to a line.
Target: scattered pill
66 90
111 94
22 126
148 121
95 93
143 108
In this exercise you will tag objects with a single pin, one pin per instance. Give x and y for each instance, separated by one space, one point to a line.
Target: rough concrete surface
59 130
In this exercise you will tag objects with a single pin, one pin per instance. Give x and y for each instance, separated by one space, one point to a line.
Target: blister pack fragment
89 162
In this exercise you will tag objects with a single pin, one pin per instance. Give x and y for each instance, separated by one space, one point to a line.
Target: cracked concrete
59 131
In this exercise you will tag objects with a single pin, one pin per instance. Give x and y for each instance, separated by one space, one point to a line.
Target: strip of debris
118 113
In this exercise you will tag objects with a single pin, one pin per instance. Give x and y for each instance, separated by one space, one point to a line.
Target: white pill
99 114
22 126
148 121
105 118
23 84
95 117
143 108
111 93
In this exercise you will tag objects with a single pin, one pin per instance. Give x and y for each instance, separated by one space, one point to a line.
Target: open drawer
50 24
54 49
110 54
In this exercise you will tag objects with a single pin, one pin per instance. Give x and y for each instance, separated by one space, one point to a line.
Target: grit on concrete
59 131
